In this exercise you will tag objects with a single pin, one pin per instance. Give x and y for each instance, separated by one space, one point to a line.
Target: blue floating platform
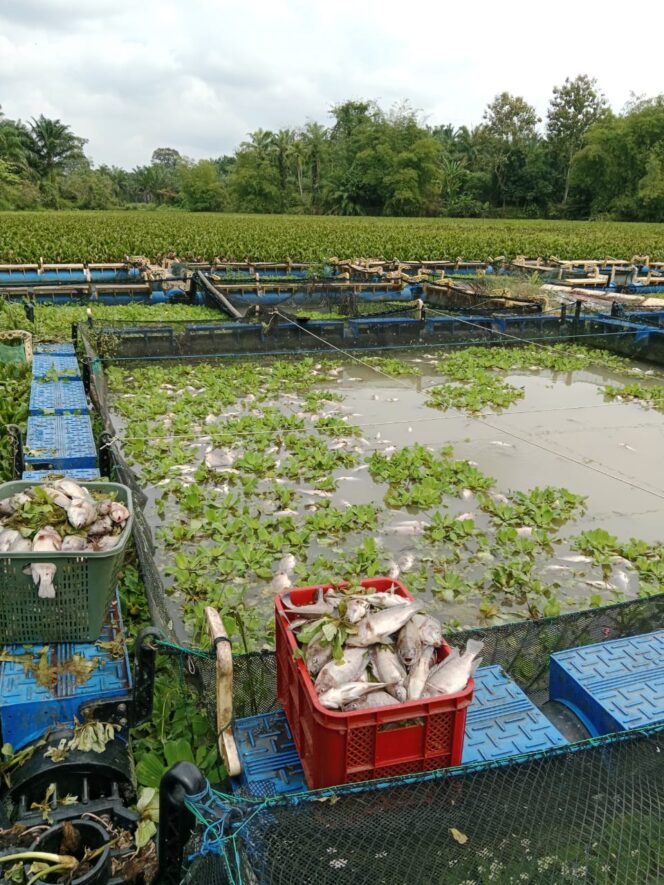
60 442
59 348
63 366
270 763
612 686
502 721
89 473
58 398
28 709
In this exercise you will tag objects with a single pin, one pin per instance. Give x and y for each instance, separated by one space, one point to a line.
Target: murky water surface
562 433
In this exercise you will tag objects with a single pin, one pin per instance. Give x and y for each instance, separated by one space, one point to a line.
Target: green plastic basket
84 584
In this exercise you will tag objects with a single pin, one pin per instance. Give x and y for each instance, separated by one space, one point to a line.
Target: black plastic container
93 836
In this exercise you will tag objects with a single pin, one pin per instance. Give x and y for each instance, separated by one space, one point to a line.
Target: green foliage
15 379
108 236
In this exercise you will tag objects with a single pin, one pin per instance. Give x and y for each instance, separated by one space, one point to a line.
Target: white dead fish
20 545
57 496
406 562
600 585
105 543
320 606
408 527
81 512
286 512
7 538
46 540
335 698
419 672
576 557
118 513
393 570
378 698
348 479
378 627
557 568
409 643
389 669
216 458
628 447
464 516
316 655
280 582
356 609
287 564
337 673
524 531
8 506
500 499
453 673
498 442
76 542
466 493
431 632
620 580
102 526
71 489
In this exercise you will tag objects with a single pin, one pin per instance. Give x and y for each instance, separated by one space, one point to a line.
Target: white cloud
132 75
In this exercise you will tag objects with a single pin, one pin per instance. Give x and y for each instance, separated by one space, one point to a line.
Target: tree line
582 161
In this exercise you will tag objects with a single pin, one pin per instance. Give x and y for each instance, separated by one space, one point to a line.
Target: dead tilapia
409 643
452 674
316 609
336 698
81 512
419 672
349 669
388 668
74 543
430 630
7 538
317 655
46 540
378 698
379 626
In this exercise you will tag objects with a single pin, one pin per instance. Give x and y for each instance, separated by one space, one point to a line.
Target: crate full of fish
368 684
62 545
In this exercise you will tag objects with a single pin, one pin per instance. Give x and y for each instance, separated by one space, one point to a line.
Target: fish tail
475 665
473 647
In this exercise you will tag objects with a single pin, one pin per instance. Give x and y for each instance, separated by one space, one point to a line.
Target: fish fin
474 647
475 665
46 589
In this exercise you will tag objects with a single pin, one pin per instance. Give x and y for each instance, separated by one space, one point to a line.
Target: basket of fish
62 545
369 686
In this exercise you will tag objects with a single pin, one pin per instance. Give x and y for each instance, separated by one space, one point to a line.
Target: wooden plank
224 688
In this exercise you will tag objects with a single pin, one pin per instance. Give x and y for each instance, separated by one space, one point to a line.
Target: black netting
590 812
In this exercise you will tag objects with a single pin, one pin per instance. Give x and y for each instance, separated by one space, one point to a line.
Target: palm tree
52 146
13 144
315 137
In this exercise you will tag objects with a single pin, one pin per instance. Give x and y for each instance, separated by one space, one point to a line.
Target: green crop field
110 235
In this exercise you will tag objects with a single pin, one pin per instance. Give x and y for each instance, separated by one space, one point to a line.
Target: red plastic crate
339 748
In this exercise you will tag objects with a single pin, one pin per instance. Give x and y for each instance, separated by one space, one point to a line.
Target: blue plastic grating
62 441
58 398
502 721
612 686
64 366
28 709
59 348
270 763
89 473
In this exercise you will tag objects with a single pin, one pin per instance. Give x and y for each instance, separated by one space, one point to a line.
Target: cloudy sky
132 75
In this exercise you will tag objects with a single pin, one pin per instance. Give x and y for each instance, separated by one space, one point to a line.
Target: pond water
562 433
